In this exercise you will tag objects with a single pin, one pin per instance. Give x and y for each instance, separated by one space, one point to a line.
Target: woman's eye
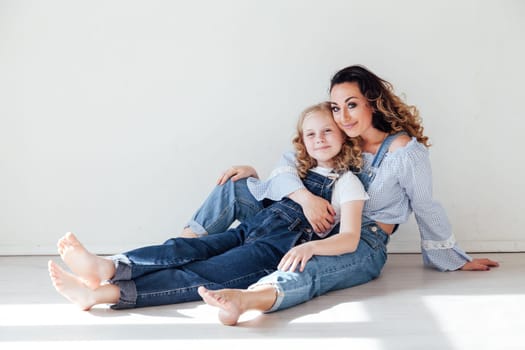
335 109
351 105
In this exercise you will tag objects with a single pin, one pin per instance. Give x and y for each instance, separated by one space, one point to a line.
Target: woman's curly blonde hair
390 114
349 158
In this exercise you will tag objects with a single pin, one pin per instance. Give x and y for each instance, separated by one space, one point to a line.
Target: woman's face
351 110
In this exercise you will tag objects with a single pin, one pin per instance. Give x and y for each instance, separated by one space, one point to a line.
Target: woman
396 174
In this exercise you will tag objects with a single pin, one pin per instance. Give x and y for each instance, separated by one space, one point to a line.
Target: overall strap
320 185
383 149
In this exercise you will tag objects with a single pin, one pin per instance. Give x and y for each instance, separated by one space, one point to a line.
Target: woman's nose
345 115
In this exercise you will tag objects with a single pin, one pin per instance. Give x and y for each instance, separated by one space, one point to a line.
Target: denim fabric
225 204
368 176
171 273
323 274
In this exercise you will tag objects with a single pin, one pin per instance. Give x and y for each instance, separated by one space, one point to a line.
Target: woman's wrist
301 196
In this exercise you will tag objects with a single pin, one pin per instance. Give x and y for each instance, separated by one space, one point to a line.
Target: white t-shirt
347 188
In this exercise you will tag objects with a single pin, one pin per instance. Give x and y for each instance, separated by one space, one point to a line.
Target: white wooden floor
408 307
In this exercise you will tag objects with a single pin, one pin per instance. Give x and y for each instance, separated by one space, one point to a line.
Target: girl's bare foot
229 301
90 268
71 287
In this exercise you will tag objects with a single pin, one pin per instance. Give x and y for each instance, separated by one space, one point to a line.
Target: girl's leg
237 268
175 252
77 292
227 203
91 268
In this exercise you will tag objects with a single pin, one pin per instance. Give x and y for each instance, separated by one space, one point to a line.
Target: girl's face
351 109
322 138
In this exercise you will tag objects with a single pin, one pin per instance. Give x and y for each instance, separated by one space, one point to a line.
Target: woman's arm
285 182
439 247
345 241
237 172
317 210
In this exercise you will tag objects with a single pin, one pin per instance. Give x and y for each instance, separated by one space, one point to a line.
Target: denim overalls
322 273
328 273
172 272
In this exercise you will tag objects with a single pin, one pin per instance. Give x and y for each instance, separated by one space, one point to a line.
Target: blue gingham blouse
402 185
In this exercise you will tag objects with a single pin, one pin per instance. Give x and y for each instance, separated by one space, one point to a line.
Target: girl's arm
345 241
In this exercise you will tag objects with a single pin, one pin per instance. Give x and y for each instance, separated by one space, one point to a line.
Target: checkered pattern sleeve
438 244
282 181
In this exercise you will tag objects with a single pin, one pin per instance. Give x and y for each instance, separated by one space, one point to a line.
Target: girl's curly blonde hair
390 114
349 158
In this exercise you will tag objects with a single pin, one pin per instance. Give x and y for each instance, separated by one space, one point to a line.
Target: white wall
118 116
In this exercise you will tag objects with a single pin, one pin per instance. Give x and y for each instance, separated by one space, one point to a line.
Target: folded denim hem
122 268
128 295
280 295
196 228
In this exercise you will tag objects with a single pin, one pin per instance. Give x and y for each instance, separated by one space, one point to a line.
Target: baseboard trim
395 246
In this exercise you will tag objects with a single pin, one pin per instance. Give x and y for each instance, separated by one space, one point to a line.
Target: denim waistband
371 227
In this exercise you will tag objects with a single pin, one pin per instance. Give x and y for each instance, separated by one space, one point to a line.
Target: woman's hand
479 265
237 172
317 210
297 256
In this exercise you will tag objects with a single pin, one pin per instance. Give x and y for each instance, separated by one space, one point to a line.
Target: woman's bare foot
188 233
229 301
71 287
90 268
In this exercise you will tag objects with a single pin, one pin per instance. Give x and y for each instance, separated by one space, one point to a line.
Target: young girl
397 175
171 273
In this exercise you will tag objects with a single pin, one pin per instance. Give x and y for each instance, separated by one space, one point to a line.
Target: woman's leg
227 203
232 303
322 274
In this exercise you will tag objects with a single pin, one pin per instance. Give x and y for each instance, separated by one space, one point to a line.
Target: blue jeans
171 273
226 203
322 273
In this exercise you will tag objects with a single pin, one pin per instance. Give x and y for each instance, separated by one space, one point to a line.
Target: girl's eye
335 109
309 135
328 130
351 105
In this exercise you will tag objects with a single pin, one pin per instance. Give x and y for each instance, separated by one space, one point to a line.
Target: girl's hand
479 265
237 172
298 255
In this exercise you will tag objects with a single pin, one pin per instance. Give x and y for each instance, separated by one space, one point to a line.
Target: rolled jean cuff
122 268
196 228
128 295
278 290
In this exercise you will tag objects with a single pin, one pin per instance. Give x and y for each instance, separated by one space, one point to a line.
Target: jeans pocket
370 239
